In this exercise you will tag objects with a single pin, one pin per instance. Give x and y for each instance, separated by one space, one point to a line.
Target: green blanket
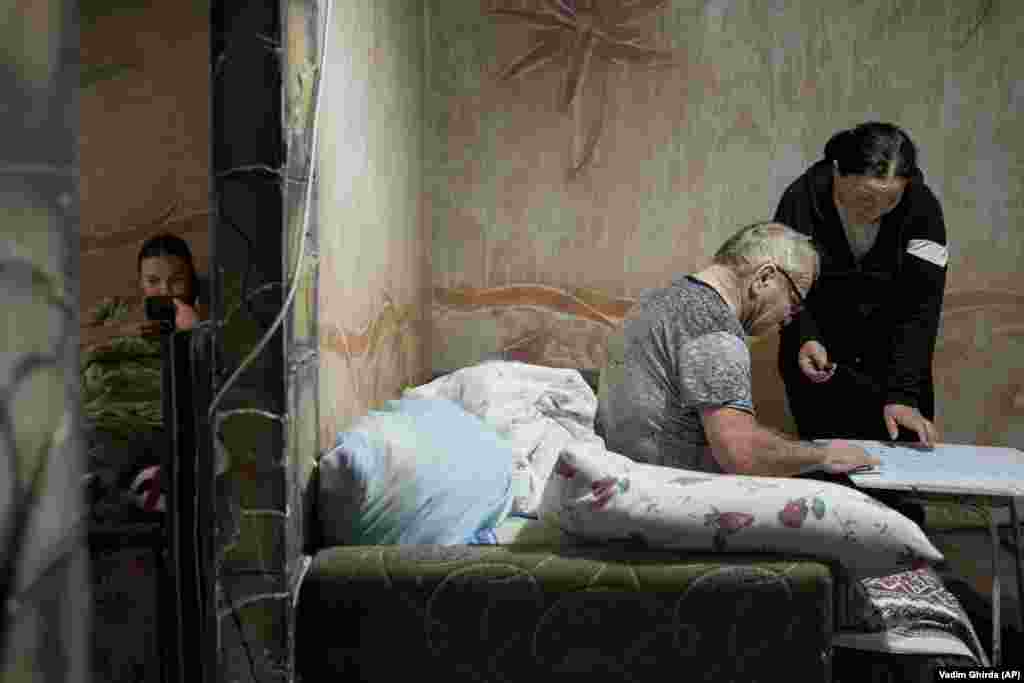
121 381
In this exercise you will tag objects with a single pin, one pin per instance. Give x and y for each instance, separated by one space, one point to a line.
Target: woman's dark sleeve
794 210
922 283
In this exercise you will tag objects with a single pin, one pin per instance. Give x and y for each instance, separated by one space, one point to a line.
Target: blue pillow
419 471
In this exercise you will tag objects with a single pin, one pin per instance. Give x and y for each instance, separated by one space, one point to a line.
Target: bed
532 601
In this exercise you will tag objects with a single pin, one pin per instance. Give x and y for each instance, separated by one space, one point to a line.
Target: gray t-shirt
680 349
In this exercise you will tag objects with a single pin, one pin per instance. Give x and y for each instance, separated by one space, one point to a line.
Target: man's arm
715 377
742 446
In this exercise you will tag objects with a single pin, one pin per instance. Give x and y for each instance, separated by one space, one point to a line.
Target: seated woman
165 268
121 371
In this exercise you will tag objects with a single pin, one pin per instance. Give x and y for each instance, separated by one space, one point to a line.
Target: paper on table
948 468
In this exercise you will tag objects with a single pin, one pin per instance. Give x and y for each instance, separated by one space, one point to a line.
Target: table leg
1017 552
996 591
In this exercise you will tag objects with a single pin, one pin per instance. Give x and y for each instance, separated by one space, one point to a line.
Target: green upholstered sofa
488 613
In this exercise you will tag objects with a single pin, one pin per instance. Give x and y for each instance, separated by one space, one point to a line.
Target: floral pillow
599 495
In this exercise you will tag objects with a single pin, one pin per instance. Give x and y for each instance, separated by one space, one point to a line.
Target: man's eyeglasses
792 285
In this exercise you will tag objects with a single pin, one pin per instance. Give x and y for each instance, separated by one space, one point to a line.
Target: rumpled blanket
540 410
544 410
911 612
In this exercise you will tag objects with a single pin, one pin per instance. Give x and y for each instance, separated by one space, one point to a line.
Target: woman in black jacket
857 361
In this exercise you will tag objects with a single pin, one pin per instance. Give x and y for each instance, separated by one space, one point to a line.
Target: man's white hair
768 242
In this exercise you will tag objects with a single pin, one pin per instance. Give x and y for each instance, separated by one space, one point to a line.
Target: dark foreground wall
43 632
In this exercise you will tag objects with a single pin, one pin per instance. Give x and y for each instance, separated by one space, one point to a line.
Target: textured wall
374 257
144 139
524 259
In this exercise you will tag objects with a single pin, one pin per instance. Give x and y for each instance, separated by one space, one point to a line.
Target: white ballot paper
948 468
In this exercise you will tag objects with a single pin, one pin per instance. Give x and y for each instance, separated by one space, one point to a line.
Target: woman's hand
813 362
146 328
186 317
897 415
101 335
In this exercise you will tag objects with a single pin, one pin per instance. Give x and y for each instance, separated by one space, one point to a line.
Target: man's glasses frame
792 284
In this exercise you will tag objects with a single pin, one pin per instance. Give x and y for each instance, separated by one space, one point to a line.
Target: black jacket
879 317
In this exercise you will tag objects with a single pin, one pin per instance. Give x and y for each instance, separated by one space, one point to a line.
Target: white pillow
417 471
599 495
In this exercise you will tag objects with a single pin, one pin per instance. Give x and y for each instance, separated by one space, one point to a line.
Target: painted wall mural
558 328
983 338
585 39
380 359
527 323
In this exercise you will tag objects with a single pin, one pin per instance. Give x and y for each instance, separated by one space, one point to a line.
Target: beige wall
523 259
374 258
144 137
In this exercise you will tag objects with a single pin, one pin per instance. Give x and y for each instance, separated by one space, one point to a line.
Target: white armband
930 251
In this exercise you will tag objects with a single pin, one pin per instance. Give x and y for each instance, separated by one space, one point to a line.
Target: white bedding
548 416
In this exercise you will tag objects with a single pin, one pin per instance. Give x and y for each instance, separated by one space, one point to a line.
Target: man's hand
813 362
842 457
897 415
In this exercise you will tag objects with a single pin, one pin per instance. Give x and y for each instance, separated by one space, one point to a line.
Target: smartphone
160 308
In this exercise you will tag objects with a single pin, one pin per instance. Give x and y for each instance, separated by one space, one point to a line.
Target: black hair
873 149
167 244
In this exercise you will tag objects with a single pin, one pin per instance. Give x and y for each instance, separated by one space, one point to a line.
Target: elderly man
677 387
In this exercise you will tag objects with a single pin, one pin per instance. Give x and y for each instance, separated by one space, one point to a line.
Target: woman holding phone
165 269
857 363
121 369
